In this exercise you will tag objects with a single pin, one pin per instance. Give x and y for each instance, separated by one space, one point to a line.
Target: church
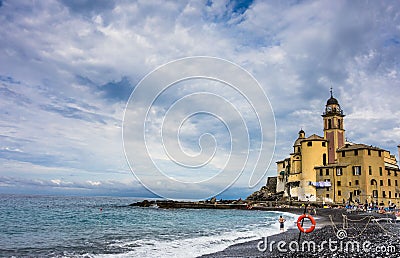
327 169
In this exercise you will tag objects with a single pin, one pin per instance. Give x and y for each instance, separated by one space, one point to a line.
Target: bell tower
333 127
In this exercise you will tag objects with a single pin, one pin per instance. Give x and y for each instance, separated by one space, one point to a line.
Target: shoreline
374 239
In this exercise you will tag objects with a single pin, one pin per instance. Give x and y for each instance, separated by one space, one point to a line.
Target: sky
71 70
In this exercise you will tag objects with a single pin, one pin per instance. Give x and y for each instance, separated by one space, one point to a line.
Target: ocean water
49 226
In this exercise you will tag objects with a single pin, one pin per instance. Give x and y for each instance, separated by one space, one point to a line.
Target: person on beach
282 223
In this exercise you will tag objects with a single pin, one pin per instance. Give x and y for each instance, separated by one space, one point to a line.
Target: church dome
298 142
332 101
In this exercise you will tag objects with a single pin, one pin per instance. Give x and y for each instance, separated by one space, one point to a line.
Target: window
320 172
383 194
339 123
339 171
369 152
355 152
356 170
324 159
327 195
389 173
390 194
357 192
389 183
381 182
395 182
329 124
380 153
338 183
339 193
343 154
327 172
357 183
380 171
373 182
375 193
349 183
323 144
370 170
309 143
327 189
283 164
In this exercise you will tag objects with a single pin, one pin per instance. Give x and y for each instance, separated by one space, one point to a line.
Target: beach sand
365 238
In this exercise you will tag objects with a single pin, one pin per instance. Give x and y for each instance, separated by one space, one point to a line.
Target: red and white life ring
300 219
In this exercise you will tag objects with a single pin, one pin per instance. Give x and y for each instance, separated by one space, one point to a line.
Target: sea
60 226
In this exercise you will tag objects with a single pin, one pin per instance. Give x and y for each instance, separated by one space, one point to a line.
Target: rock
144 203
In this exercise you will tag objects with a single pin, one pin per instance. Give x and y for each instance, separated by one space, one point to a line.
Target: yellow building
329 170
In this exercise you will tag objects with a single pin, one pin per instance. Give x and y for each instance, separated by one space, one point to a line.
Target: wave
197 246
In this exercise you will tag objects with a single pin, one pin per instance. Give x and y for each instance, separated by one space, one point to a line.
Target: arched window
373 182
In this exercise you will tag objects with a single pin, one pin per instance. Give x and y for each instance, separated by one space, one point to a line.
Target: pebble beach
364 235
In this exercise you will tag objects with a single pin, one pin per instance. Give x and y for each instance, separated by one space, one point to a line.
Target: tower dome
332 106
332 101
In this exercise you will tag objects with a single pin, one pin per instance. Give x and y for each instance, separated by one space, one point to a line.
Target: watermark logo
195 125
341 234
350 246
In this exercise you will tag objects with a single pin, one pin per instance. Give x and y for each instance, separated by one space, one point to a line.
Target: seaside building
328 169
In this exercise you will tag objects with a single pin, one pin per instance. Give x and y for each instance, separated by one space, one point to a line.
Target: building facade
330 170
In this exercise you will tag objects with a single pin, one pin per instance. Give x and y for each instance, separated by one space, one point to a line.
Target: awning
321 184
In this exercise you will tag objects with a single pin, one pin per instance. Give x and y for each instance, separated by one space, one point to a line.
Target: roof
358 146
314 137
280 161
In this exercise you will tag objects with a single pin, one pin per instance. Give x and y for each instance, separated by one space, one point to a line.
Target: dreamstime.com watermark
348 246
340 244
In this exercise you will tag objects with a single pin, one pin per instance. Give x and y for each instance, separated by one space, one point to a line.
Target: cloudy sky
68 68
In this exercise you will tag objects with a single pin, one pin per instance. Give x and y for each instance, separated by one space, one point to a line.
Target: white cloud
55 57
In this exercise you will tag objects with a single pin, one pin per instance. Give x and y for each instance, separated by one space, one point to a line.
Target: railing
337 112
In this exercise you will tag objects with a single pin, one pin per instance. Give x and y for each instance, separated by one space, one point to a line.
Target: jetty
168 204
